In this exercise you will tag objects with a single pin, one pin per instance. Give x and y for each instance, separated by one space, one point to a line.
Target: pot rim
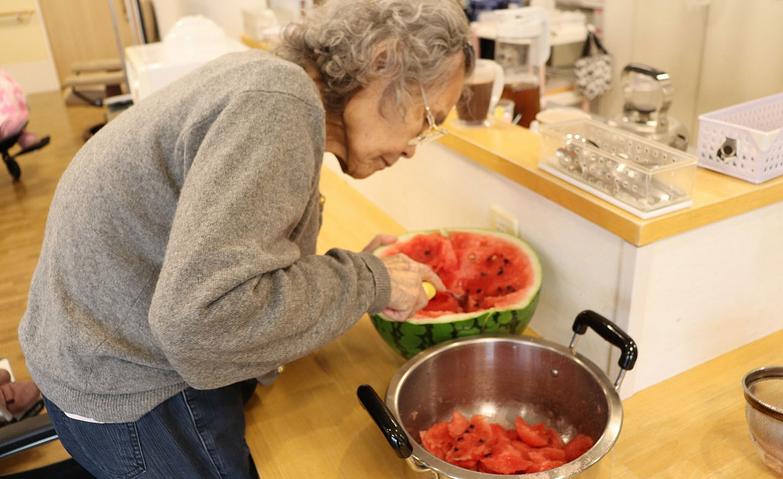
758 374
602 446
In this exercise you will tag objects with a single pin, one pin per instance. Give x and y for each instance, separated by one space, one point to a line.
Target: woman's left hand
379 240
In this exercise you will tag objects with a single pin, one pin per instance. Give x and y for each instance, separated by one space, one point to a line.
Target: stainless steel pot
503 377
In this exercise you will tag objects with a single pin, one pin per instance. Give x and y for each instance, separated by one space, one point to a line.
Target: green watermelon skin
409 339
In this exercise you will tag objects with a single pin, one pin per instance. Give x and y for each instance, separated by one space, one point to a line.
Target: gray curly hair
411 43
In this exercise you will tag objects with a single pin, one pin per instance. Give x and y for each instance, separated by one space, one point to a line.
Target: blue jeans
193 434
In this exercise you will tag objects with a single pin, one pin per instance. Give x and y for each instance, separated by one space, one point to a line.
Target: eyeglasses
433 131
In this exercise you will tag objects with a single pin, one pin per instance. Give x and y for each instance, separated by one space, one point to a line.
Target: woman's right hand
407 294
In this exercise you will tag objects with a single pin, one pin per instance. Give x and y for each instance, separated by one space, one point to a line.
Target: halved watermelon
493 280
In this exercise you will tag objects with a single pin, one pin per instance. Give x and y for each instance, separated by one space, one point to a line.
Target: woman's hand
407 294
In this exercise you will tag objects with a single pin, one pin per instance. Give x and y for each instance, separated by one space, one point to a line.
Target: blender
522 49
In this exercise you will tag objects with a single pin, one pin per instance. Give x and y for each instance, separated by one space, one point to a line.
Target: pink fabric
13 108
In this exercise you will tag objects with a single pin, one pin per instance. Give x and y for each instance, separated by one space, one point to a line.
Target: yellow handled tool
429 289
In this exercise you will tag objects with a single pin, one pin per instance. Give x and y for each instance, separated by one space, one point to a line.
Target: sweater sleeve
235 296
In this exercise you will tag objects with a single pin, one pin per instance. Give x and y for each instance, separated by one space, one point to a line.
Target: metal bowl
764 413
502 378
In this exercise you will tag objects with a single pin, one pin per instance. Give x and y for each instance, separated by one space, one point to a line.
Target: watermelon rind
419 333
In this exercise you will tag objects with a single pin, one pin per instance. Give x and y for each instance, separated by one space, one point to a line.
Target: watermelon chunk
506 459
479 445
554 439
458 424
474 443
578 446
437 439
493 281
530 435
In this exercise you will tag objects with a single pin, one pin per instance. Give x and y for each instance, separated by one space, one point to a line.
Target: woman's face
375 133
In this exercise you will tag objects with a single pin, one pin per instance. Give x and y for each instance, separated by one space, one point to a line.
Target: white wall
743 53
167 12
666 34
25 52
718 52
226 13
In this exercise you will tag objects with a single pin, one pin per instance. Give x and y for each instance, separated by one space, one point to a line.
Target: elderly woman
179 258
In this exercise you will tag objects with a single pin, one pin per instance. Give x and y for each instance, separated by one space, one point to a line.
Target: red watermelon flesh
437 440
458 424
578 446
480 271
482 446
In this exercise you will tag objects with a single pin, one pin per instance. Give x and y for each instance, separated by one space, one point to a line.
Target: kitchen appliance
259 23
763 389
502 377
520 44
744 140
648 94
474 8
190 43
644 177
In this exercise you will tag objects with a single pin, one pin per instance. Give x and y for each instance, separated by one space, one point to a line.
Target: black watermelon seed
500 272
506 261
427 252
478 290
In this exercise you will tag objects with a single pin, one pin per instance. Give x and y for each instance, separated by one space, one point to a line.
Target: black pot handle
610 332
385 420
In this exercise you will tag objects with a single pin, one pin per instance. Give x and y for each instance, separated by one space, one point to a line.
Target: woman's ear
386 60
380 61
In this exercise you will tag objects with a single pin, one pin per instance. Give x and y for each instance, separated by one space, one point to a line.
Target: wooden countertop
310 424
693 425
513 152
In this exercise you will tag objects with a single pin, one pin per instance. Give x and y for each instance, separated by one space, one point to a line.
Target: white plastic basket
745 140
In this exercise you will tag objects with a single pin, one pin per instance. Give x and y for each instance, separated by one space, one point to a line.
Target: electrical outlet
503 221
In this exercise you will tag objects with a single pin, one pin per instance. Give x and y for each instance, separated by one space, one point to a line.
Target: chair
25 434
10 159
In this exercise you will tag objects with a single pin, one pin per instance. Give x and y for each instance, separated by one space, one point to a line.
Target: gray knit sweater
180 246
